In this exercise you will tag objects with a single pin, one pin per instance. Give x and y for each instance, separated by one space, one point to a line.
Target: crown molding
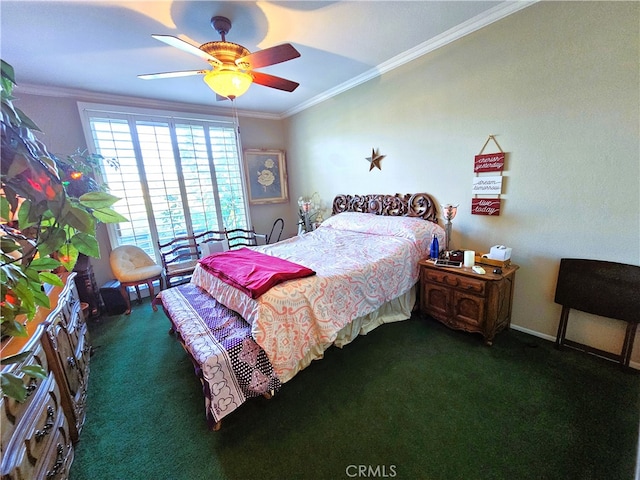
480 21
108 98
492 15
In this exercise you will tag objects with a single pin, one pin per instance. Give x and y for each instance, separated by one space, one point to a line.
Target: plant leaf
44 263
25 294
9 245
13 387
26 215
32 274
13 328
107 215
41 298
17 358
13 272
57 238
19 164
9 111
51 279
98 200
26 121
7 72
86 244
11 197
80 219
35 371
5 209
68 255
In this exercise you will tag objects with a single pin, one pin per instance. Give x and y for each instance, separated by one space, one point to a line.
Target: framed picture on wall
266 173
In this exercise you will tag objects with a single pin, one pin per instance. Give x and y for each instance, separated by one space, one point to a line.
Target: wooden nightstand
465 300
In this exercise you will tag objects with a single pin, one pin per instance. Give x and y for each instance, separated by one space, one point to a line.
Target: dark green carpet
411 400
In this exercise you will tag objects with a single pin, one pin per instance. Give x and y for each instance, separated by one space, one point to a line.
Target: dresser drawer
450 279
53 455
56 461
13 411
30 443
38 434
67 345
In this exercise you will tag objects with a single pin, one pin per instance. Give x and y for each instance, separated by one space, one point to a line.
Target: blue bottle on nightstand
435 248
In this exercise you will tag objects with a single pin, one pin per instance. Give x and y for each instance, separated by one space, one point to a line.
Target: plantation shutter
176 176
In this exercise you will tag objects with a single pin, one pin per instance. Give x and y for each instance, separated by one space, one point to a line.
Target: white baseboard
551 338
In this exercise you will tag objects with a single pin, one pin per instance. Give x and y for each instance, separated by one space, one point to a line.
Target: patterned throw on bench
232 366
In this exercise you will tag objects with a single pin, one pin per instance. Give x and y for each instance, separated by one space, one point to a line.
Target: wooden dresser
465 300
38 435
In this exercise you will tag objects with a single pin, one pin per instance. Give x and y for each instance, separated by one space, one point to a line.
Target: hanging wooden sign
491 162
485 206
487 185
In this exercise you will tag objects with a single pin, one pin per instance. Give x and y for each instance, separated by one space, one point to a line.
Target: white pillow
417 230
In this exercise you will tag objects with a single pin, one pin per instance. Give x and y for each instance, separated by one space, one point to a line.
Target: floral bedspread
361 262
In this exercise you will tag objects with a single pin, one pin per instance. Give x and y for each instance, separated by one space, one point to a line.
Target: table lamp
449 212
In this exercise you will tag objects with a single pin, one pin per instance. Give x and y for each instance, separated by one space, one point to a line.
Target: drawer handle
71 362
46 430
59 463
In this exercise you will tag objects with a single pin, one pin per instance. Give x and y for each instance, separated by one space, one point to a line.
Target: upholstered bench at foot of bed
230 365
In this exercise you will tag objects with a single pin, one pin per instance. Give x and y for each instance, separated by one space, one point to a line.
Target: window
176 176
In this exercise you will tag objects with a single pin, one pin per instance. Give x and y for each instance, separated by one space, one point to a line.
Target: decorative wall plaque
487 185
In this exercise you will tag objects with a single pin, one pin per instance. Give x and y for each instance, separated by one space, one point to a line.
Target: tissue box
500 252
485 260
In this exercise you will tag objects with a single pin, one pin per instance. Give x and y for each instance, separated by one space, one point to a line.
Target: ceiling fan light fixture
228 83
233 66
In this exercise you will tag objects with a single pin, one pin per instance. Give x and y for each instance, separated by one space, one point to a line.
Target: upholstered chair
133 267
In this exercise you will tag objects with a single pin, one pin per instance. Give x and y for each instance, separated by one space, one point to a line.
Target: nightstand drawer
456 281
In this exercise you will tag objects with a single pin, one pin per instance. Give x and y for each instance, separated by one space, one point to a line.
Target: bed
364 267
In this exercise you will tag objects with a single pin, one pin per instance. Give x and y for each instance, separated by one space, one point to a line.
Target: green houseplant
47 218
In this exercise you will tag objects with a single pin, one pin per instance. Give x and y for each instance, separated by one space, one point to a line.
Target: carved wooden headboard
398 205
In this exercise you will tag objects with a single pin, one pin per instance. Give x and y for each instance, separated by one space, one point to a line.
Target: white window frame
87 110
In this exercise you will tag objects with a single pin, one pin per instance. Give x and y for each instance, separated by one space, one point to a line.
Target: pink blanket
252 272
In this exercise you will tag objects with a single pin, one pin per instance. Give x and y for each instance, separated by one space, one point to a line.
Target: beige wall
59 120
266 134
558 84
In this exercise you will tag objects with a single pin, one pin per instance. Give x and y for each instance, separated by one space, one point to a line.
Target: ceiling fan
232 66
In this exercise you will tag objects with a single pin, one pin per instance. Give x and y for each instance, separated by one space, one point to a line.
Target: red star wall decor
375 159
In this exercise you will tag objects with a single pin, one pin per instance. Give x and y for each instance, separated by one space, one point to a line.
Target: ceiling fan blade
187 47
269 56
274 82
185 73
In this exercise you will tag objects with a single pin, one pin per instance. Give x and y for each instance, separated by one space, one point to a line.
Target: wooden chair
240 237
180 255
278 226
